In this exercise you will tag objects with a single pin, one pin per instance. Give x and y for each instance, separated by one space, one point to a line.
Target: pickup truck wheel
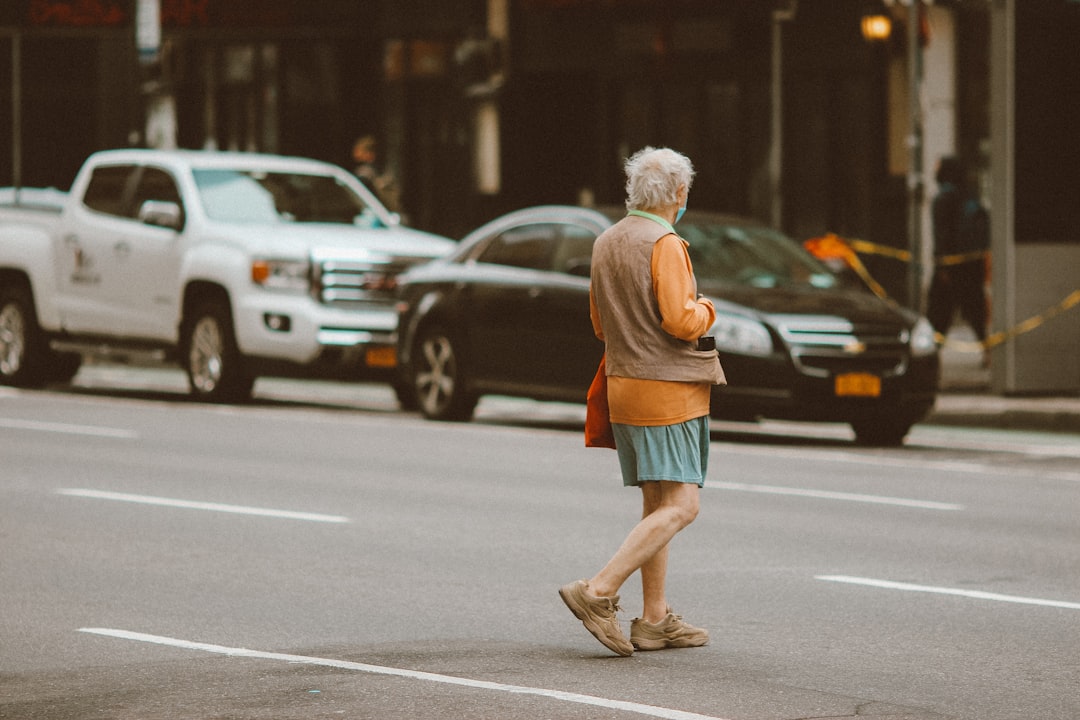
214 365
438 378
23 352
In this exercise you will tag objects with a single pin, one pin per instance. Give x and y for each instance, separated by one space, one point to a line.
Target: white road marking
853 457
194 505
641 709
980 467
829 495
68 429
976 594
1051 444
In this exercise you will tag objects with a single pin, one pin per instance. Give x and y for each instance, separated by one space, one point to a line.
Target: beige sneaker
598 616
671 632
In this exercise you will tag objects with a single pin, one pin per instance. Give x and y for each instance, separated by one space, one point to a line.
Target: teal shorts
679 453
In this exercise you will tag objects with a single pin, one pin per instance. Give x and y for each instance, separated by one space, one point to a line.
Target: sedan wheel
439 380
881 432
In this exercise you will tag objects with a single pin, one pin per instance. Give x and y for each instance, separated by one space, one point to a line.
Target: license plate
381 357
858 385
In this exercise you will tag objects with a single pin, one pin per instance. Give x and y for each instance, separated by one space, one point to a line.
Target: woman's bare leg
667 508
653 570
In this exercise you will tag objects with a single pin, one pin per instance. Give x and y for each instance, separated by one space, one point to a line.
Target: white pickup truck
233 265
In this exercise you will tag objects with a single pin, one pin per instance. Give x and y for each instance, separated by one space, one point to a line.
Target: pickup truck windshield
237 196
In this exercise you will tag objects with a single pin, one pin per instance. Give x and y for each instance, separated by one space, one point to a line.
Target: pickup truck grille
351 282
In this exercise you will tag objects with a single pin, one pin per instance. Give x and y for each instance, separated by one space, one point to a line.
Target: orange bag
598 431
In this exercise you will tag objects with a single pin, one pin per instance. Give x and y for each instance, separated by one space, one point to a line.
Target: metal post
915 148
1003 369
16 113
784 13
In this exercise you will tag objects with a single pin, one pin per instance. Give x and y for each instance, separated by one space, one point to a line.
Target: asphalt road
316 554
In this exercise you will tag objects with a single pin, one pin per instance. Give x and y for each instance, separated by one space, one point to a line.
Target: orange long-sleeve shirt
634 401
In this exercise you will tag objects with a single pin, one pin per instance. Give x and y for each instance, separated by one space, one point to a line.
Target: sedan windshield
241 196
747 255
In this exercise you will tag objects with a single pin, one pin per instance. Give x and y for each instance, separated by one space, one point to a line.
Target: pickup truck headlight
923 340
741 335
291 275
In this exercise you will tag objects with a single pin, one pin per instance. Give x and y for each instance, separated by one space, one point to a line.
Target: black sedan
507 313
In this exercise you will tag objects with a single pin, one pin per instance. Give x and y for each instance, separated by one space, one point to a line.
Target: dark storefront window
289 76
68 111
71 91
1047 118
599 80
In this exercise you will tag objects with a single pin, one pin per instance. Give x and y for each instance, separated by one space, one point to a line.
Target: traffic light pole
915 184
16 113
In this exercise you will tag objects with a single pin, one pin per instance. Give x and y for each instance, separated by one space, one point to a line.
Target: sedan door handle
535 292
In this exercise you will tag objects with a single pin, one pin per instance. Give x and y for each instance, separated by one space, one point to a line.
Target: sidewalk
965 398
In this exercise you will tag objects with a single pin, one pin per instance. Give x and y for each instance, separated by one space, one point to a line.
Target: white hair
654 176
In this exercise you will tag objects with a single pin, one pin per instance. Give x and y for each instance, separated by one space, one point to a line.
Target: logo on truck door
84 269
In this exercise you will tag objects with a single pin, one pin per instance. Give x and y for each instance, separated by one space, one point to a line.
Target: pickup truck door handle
122 247
71 239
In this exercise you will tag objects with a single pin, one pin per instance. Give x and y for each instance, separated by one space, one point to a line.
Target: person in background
364 154
645 308
961 243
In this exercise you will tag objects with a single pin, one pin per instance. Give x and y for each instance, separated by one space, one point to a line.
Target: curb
1043 415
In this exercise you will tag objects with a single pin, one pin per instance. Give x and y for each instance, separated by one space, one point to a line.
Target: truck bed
41 199
34 206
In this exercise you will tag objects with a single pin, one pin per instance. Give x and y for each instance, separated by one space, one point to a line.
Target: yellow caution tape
994 339
832 246
962 258
870 248
860 270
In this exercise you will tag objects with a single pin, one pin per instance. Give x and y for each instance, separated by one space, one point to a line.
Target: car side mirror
161 213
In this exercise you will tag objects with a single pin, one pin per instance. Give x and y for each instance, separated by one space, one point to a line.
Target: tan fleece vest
636 345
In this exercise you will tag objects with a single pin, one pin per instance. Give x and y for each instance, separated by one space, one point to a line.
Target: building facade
788 111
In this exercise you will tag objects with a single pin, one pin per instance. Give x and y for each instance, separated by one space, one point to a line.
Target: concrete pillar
940 121
1002 174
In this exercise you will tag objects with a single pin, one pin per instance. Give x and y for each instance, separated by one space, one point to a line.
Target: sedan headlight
741 335
289 275
923 339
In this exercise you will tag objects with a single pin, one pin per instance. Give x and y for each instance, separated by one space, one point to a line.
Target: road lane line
855 457
641 709
194 505
976 594
68 429
829 495
919 463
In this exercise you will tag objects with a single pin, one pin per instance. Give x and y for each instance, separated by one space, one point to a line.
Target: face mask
678 215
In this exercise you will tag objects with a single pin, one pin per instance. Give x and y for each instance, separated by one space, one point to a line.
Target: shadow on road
378 398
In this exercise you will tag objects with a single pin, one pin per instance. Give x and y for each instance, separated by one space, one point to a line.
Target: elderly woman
645 307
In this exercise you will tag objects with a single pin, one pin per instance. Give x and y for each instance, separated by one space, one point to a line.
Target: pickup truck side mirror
368 219
162 213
